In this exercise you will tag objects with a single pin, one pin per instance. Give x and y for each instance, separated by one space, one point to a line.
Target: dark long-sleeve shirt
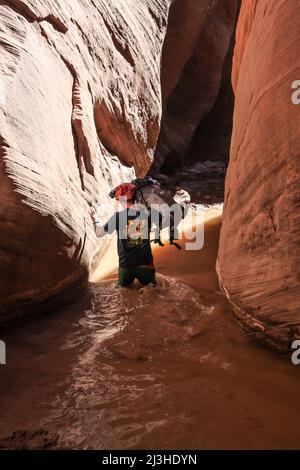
133 227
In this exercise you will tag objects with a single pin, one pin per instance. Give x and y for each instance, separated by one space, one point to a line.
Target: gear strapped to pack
146 191
125 190
133 191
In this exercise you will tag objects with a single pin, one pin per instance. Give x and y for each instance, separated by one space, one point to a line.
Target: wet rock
203 181
29 440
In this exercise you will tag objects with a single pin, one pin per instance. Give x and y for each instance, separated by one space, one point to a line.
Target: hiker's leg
126 277
146 275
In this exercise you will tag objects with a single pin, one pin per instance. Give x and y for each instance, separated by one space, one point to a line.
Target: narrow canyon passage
148 369
201 96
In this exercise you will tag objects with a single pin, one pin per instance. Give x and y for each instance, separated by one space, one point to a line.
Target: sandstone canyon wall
80 107
83 84
194 71
259 256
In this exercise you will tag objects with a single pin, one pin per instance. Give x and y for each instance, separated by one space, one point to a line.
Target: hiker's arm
161 223
173 231
156 220
102 230
99 230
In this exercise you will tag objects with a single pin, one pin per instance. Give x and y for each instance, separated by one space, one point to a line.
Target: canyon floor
148 368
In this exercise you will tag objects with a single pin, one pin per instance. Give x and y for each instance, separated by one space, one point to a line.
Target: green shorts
144 274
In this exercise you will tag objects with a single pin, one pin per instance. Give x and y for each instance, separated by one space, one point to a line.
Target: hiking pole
175 244
160 243
157 241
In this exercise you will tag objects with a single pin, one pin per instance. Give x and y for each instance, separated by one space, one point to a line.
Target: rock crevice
197 43
24 9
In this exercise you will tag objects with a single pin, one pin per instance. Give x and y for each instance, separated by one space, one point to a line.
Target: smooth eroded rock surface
197 43
80 107
259 256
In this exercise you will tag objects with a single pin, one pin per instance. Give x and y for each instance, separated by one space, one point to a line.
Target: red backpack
125 190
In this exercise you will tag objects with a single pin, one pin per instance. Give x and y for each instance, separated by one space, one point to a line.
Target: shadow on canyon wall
194 141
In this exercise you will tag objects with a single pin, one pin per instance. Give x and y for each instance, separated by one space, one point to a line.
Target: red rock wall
197 42
212 138
80 107
259 256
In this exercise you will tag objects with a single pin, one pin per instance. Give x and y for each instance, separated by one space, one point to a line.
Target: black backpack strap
143 199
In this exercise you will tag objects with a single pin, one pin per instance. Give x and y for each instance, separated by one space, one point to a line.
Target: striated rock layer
80 107
197 43
259 256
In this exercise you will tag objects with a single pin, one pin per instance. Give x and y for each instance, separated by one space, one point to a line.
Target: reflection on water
125 338
150 368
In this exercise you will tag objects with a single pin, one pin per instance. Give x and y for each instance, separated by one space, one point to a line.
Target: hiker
133 225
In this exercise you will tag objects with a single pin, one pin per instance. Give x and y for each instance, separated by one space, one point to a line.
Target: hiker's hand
93 214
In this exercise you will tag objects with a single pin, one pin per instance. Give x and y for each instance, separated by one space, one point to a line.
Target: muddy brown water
150 368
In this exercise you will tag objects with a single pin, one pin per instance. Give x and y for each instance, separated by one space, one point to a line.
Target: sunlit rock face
259 257
196 70
80 107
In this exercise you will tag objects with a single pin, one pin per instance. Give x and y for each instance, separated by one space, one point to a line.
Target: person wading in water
133 225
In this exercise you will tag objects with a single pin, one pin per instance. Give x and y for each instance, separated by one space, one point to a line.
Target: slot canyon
197 94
